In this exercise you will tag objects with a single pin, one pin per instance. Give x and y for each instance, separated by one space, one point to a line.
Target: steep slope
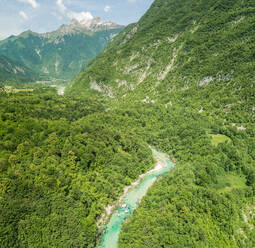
185 73
14 71
177 42
63 53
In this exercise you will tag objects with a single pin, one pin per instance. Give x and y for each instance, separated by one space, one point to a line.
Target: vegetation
56 55
202 203
10 89
60 165
187 76
14 71
230 182
180 79
219 138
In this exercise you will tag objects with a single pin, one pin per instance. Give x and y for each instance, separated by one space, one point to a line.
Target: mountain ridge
62 53
176 41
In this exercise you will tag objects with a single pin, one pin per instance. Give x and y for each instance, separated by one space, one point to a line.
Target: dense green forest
63 159
208 200
60 165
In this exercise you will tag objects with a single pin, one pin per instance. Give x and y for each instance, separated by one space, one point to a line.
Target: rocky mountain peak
84 24
92 24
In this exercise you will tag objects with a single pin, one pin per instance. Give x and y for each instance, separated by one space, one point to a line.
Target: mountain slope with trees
182 80
185 70
14 71
63 53
175 44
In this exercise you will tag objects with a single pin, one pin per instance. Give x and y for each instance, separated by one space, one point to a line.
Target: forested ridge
57 54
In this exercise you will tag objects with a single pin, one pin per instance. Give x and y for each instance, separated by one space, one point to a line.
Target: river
131 200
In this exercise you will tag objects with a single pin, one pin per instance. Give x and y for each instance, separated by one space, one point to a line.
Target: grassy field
219 138
228 182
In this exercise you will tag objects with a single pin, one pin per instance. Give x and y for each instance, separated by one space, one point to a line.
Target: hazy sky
41 16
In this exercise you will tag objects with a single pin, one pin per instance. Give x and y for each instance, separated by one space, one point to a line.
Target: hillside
63 53
185 73
187 47
14 71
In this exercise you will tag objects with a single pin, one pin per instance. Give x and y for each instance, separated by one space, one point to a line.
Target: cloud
80 16
23 14
107 8
61 6
33 3
132 1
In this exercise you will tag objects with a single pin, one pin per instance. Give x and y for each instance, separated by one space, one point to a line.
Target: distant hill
63 53
14 71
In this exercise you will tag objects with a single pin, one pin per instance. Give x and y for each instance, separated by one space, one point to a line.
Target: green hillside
175 44
60 54
14 71
185 73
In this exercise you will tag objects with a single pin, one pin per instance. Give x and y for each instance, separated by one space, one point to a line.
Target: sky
43 16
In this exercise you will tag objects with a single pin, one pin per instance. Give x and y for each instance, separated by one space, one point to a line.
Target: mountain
186 47
63 53
14 71
185 74
180 80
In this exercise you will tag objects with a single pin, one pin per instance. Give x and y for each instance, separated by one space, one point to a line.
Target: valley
79 145
131 198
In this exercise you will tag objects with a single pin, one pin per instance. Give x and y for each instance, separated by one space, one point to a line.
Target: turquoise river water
131 200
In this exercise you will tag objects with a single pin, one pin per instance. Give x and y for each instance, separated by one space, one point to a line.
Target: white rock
242 128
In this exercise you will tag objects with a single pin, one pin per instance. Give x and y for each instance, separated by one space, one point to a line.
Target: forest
183 83
63 159
60 165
